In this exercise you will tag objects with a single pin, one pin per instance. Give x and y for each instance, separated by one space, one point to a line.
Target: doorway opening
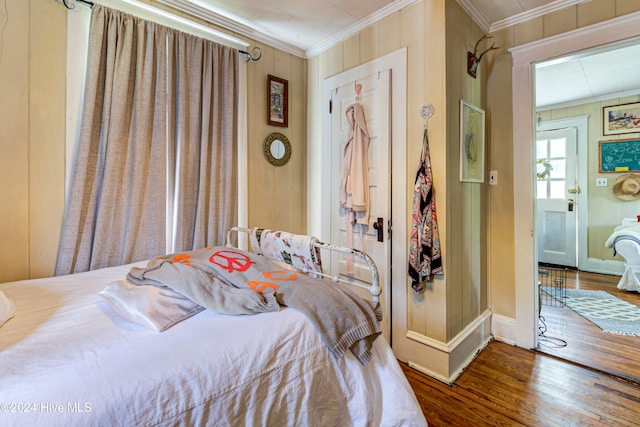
573 215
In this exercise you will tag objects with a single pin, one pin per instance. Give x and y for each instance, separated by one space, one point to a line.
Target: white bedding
67 359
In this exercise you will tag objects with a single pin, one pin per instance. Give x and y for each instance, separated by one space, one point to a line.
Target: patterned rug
609 313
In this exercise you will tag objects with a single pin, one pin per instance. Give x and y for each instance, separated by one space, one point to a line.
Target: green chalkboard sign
621 155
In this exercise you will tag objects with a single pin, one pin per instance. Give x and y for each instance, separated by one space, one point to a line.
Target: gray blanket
231 281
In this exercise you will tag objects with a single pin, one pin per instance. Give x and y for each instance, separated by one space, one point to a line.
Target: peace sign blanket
232 281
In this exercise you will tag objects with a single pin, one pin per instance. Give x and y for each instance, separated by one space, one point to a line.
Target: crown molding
354 29
533 13
477 15
489 27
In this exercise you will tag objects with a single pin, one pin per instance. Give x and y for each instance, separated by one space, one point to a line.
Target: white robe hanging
354 197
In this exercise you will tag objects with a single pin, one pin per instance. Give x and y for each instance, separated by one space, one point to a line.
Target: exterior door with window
557 196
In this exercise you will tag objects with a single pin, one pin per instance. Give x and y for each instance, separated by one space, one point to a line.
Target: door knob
379 226
574 190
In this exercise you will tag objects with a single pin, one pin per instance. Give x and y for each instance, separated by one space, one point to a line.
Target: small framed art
471 143
277 101
620 119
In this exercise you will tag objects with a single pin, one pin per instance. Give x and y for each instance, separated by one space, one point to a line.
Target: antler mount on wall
473 60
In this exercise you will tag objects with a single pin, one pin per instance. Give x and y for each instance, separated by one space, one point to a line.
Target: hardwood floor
510 386
586 344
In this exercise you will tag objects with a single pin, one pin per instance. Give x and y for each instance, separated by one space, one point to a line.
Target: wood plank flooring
586 344
510 386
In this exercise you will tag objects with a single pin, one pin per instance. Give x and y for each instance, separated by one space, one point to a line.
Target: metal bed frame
374 288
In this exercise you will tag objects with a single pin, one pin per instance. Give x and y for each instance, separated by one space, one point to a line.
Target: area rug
609 313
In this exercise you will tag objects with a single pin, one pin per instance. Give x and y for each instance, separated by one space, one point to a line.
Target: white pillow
7 308
149 306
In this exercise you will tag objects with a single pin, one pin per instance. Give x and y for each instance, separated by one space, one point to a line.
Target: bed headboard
374 288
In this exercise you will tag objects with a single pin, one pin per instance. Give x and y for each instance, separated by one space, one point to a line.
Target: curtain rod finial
256 53
72 6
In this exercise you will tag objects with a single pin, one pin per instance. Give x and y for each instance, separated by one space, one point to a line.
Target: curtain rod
68 6
163 17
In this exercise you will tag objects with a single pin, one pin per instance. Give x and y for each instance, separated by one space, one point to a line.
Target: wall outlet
493 177
602 182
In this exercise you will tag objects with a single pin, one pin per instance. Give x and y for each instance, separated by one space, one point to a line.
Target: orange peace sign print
231 260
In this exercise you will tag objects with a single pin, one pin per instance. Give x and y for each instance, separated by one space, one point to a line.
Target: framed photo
471 143
619 119
621 155
277 101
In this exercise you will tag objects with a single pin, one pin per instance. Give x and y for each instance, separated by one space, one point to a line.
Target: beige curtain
205 134
144 138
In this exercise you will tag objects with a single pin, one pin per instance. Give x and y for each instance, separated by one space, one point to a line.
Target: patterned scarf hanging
424 243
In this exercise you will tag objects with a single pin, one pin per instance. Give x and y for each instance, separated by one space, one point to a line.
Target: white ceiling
307 27
302 23
300 27
592 76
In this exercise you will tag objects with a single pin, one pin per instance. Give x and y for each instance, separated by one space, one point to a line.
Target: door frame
396 62
524 58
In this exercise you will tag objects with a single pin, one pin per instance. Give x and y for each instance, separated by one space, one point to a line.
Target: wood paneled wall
277 194
32 140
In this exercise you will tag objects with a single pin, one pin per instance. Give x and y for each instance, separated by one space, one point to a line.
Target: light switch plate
601 182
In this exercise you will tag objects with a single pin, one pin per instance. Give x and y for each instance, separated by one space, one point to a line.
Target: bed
67 357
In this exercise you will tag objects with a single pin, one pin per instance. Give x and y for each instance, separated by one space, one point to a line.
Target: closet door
374 237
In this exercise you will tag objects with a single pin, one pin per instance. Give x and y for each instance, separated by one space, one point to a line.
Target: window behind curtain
208 217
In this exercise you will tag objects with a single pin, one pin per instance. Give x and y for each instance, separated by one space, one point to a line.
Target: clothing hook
427 111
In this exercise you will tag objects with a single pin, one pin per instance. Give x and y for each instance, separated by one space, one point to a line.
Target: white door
375 100
557 196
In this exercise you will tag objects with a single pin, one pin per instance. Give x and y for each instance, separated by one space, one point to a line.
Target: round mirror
277 149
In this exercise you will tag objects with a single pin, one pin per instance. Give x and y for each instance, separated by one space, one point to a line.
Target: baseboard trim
429 372
458 352
604 266
504 329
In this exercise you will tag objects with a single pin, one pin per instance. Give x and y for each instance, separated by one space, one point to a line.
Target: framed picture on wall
619 155
620 119
277 101
471 143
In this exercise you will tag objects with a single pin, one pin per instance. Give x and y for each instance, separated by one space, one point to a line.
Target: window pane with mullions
542 149
558 169
558 148
557 189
